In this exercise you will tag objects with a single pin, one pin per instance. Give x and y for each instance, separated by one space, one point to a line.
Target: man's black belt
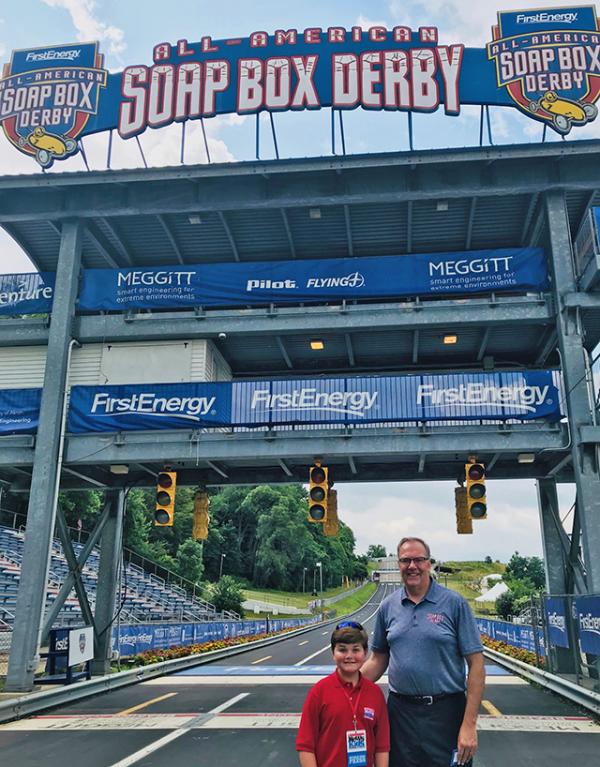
425 700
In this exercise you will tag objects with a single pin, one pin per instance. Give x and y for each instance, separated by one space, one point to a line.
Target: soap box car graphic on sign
48 146
564 112
547 60
47 96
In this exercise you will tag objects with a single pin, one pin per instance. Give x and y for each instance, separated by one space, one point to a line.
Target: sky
127 31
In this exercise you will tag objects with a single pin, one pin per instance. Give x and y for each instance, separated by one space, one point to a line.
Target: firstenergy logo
356 403
543 17
557 621
53 55
523 398
590 623
148 403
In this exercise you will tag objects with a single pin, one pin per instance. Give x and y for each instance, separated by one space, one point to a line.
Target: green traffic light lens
317 494
477 491
163 498
317 513
161 516
478 510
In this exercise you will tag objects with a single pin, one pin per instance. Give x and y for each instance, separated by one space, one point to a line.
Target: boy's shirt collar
348 685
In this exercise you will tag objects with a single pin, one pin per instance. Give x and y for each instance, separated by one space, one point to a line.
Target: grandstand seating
143 597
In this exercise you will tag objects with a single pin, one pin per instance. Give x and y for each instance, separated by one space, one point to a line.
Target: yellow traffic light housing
331 527
476 491
201 515
317 493
164 511
464 523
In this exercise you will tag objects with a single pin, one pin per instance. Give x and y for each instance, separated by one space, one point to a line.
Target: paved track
245 710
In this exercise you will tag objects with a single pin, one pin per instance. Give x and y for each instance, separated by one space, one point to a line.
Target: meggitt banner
543 62
231 284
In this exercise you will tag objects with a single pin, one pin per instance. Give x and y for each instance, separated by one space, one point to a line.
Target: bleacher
143 597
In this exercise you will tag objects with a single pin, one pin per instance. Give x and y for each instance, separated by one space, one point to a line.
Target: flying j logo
47 96
549 62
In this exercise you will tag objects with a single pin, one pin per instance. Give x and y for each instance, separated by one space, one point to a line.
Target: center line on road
260 660
490 708
301 643
328 647
147 703
152 747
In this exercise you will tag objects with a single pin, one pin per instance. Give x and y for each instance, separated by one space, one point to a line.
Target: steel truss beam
299 183
407 315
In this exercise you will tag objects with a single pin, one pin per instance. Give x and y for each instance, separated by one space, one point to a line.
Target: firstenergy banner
314 280
373 399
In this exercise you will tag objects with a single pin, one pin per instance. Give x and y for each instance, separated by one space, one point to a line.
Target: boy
344 718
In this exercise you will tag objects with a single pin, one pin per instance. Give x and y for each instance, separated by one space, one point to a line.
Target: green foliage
263 532
488 560
524 577
189 560
375 551
527 569
226 594
505 605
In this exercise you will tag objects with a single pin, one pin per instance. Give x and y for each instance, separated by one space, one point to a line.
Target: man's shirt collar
432 595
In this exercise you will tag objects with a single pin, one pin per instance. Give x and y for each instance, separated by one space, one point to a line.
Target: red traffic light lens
163 498
477 490
164 480
478 510
317 513
476 471
161 516
317 494
317 475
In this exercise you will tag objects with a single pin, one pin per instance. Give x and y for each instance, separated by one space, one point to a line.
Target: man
425 633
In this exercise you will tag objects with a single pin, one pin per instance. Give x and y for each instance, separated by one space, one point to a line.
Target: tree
375 551
505 605
488 560
226 594
527 569
189 560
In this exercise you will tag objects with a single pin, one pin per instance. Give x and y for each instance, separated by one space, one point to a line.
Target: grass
355 601
466 580
289 598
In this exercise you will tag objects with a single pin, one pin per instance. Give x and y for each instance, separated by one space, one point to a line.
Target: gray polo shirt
427 642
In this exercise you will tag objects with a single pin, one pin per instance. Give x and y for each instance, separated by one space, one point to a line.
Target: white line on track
328 647
152 747
301 643
260 660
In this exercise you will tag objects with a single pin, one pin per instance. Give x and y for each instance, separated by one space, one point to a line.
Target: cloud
458 21
383 513
89 26
364 23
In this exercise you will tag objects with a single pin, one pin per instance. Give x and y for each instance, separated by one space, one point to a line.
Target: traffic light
476 497
165 499
331 526
464 523
317 493
201 515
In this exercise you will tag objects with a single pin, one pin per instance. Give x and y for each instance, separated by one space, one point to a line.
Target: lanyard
353 706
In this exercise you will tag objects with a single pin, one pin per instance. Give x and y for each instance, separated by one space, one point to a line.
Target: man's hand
467 742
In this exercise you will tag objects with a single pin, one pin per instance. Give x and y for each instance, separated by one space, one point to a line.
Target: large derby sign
544 62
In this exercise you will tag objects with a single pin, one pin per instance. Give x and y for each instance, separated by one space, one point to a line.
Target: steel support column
580 407
31 596
111 552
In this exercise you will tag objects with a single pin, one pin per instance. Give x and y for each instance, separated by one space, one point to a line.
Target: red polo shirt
327 715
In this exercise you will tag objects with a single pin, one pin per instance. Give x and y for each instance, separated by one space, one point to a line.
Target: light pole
320 566
303 580
221 565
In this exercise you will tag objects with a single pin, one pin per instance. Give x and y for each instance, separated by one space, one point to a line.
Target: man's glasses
416 560
349 625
